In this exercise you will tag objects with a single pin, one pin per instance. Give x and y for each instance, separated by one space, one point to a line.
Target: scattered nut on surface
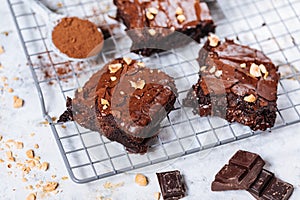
250 98
1 137
181 18
254 70
19 145
141 180
140 84
24 179
64 178
1 50
50 186
213 40
45 166
59 4
152 32
127 60
179 11
1 161
36 146
113 68
113 78
243 65
157 195
18 102
31 197
30 153
9 154
10 90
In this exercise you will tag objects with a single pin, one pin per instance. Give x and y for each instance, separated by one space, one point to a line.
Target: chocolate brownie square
125 101
237 83
160 25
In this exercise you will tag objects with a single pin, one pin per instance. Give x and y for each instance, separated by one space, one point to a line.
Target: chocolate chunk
171 185
160 25
235 71
240 173
268 187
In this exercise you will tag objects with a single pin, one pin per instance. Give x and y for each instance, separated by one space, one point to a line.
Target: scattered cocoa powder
77 38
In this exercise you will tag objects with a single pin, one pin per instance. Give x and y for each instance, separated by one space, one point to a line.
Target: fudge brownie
237 83
159 25
125 101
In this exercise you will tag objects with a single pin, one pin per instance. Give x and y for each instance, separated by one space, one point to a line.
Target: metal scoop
52 19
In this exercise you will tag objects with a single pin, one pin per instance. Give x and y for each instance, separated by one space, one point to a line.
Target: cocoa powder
77 38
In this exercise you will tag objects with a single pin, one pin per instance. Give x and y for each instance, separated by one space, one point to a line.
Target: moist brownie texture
237 83
160 25
125 101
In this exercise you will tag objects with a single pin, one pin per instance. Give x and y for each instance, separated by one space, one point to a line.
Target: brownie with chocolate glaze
160 25
124 101
237 83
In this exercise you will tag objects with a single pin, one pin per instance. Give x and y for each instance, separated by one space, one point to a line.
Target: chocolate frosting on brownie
237 83
189 17
125 101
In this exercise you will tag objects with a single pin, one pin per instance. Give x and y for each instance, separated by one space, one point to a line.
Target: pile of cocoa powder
77 38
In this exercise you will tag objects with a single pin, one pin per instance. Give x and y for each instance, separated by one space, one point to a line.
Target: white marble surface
280 148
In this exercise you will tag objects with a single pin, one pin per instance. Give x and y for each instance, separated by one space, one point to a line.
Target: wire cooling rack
272 26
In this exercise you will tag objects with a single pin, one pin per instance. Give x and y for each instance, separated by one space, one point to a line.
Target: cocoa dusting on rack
77 38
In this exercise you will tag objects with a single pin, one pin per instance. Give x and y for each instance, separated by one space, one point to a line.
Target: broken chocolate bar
171 185
240 173
267 186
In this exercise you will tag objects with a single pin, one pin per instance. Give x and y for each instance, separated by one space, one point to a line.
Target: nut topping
212 70
157 195
254 70
140 64
127 60
218 73
262 68
149 15
140 84
203 68
113 78
152 32
250 98
113 68
181 18
105 104
243 65
179 11
18 102
213 40
153 10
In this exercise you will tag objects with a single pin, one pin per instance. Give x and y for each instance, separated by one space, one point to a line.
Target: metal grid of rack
271 26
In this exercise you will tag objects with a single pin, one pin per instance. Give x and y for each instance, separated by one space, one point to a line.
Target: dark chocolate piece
240 173
171 185
268 187
237 83
151 24
125 101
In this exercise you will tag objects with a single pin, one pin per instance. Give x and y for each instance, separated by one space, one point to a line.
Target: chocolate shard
240 173
171 185
268 187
